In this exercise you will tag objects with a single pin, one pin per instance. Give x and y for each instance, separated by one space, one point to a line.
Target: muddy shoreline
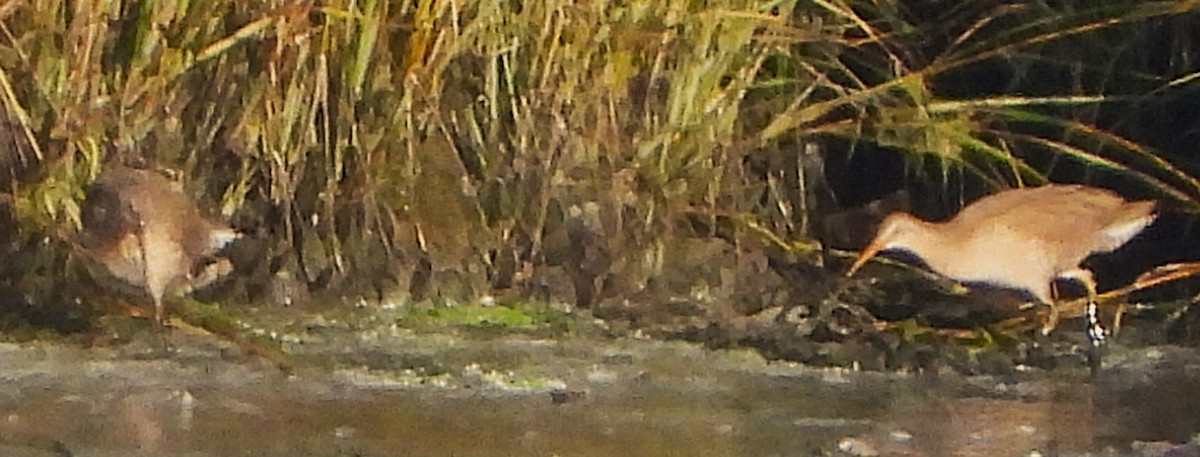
371 388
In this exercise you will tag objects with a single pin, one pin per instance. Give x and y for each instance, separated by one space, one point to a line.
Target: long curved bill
865 255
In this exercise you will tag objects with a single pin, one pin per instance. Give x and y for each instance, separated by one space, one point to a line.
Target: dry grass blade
14 111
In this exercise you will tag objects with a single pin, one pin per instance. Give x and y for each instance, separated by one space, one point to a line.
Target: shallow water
428 394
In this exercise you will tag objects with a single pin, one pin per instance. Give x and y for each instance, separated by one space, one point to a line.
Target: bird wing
1077 220
1040 202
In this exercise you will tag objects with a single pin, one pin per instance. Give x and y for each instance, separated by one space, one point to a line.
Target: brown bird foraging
149 234
1021 239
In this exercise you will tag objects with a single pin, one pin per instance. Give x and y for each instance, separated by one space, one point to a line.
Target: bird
1021 238
149 234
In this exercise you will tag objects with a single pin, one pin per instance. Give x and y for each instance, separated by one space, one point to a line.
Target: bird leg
1116 323
152 270
146 274
1052 319
1095 330
160 318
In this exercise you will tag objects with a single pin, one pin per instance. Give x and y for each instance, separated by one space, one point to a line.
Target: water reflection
662 400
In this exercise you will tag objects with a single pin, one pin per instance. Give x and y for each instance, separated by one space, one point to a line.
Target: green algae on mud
542 319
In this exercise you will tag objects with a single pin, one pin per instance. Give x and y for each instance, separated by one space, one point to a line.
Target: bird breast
992 253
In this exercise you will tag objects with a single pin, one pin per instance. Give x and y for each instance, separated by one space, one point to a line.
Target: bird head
894 232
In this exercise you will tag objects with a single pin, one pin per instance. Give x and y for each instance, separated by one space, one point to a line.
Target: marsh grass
445 148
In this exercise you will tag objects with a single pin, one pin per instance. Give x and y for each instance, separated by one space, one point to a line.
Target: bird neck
934 242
